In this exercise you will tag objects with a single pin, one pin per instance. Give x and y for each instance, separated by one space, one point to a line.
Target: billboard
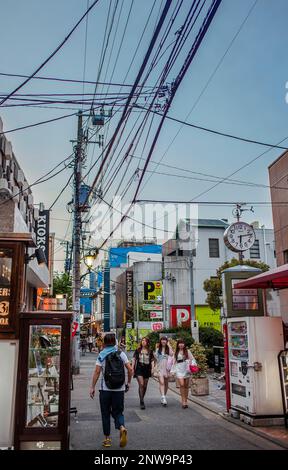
207 317
180 315
153 291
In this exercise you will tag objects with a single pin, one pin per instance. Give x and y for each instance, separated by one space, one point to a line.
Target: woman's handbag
155 371
193 368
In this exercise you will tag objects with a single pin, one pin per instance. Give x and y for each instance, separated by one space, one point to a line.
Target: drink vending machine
254 344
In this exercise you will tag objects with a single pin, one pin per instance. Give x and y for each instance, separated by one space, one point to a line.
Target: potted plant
199 379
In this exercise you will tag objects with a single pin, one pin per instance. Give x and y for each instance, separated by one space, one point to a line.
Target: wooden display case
43 389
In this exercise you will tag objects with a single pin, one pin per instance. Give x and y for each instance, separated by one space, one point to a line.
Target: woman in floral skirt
164 360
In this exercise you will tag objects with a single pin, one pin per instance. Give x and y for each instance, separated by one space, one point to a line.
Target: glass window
214 248
255 250
43 376
6 255
285 255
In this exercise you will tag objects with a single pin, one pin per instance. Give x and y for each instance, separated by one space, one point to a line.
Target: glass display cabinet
43 392
283 368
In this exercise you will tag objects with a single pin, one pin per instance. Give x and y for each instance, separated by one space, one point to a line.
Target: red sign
180 315
156 326
74 328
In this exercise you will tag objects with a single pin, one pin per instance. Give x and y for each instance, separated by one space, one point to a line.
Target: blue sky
246 96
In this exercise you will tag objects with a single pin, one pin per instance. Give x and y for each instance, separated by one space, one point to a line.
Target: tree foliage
213 286
62 284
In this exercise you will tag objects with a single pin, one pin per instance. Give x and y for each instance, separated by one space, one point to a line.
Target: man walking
90 343
110 364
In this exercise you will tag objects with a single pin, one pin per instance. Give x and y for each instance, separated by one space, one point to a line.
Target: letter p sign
180 315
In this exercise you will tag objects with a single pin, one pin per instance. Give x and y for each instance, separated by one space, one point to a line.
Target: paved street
156 427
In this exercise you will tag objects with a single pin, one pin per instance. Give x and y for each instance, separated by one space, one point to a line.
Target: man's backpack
114 374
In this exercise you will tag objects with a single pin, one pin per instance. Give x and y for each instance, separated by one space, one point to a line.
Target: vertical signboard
42 232
180 315
6 256
153 291
129 296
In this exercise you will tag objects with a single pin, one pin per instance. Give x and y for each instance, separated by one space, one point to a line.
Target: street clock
239 236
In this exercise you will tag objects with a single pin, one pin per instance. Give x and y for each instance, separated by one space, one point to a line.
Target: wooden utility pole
77 244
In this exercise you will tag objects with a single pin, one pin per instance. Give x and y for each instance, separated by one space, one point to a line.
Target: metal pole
77 246
137 313
194 323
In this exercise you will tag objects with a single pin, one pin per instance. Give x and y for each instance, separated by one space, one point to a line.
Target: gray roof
219 223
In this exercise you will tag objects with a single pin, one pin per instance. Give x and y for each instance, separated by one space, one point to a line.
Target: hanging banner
180 315
153 291
129 295
42 232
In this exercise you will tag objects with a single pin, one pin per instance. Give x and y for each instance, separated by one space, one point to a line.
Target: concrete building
19 215
278 171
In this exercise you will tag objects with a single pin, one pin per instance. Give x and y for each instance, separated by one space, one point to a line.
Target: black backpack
114 374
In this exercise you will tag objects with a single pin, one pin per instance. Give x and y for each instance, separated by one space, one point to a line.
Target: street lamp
90 258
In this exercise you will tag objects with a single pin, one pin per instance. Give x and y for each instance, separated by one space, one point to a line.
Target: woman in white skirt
182 359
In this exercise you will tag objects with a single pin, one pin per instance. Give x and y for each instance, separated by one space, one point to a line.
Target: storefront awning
274 279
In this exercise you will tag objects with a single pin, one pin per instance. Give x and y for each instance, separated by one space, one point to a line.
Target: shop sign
153 291
5 286
157 326
129 295
180 315
153 306
42 232
156 314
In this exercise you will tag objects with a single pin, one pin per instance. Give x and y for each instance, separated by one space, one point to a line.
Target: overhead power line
213 131
51 55
67 80
42 179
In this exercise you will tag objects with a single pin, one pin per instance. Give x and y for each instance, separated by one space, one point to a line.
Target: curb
233 421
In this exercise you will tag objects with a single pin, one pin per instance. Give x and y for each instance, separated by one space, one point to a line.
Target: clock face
239 236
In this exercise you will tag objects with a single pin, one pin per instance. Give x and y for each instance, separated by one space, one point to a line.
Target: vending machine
254 344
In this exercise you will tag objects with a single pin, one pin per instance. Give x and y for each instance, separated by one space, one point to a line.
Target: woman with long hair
183 357
163 356
142 366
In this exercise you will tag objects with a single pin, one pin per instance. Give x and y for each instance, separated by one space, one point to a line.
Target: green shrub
184 333
199 354
210 357
209 337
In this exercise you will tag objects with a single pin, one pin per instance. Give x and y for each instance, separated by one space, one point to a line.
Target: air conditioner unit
25 188
30 201
2 143
5 192
8 150
36 214
16 194
20 178
23 207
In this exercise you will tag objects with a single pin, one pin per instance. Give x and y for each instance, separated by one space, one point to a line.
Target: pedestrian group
110 369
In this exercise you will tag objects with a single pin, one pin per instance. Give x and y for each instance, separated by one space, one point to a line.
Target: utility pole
77 245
